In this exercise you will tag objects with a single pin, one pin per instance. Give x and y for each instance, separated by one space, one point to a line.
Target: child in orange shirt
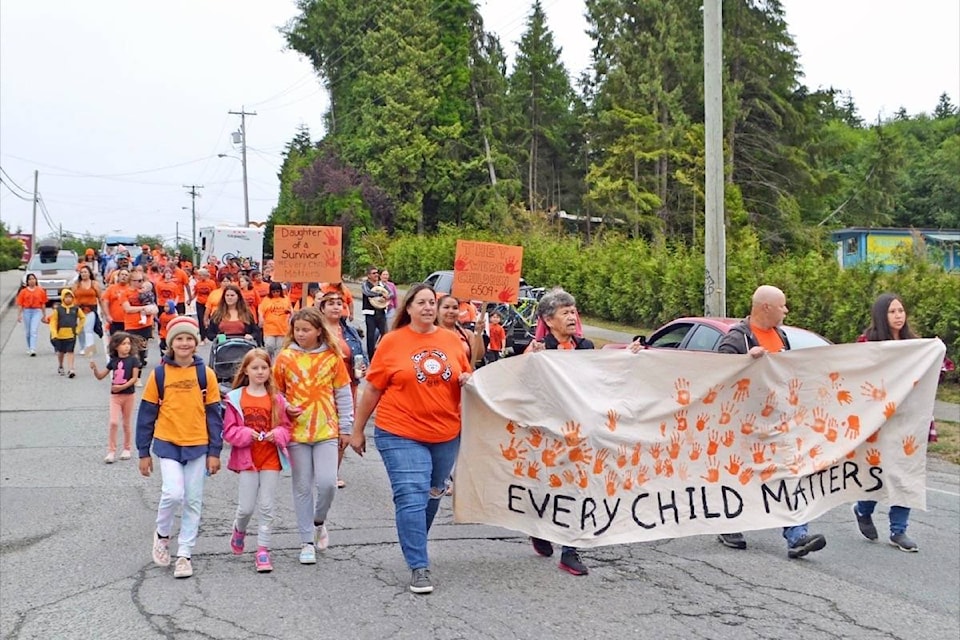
311 374
498 337
258 429
169 313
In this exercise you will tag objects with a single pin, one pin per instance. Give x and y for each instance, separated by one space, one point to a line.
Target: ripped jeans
418 473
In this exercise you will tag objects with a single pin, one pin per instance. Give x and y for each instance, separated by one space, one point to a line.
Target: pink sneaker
236 541
262 560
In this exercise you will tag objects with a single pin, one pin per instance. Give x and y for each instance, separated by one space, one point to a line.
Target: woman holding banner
888 321
414 383
558 323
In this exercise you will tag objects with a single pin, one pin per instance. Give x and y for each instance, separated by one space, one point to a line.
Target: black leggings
376 322
145 333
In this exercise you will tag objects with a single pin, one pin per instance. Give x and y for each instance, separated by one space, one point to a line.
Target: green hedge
635 283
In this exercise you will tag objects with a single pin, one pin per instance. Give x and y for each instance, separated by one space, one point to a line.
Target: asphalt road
75 540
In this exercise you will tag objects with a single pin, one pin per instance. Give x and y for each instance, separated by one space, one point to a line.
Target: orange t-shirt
468 313
166 290
497 337
262 288
182 280
275 313
252 298
163 321
35 299
569 345
114 297
213 300
131 321
769 339
203 288
418 374
256 415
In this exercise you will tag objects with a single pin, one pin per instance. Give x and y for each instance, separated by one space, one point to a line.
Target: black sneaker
904 543
865 524
571 563
733 540
420 581
542 547
807 544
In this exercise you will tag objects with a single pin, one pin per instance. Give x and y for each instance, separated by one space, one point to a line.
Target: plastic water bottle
358 366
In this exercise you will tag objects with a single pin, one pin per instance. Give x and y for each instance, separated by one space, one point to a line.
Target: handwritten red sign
487 271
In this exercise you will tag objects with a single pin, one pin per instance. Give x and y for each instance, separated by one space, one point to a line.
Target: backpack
159 375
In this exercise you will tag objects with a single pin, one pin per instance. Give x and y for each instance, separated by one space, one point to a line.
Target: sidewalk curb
7 297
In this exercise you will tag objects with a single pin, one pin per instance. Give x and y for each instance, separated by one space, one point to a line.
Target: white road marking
949 493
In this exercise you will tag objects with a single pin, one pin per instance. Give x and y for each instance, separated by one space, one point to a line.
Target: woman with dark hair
250 296
32 300
888 321
232 317
275 312
86 292
448 318
414 384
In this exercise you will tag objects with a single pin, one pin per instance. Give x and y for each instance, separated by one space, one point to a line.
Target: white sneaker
109 458
125 454
308 554
183 568
161 550
320 537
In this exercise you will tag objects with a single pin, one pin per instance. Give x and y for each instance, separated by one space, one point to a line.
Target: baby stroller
225 359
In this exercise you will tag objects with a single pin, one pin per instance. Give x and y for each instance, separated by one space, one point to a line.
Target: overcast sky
119 103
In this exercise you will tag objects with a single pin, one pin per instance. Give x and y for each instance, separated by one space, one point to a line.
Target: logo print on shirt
431 363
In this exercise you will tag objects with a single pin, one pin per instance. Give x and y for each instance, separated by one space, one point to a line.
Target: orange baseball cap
89 252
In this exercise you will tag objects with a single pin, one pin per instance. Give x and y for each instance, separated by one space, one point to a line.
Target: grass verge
613 326
949 392
947 446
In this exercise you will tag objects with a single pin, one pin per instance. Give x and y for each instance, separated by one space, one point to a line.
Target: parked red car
704 334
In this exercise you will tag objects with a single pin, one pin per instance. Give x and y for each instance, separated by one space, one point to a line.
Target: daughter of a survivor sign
590 448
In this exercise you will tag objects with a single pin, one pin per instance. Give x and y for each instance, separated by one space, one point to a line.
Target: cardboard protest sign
487 271
303 253
590 448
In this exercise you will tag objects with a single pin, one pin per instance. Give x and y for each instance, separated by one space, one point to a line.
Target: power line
72 173
24 198
14 182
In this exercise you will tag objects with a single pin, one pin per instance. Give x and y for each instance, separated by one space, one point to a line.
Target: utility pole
177 236
243 159
193 216
36 196
715 243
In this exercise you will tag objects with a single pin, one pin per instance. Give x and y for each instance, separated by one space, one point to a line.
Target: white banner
591 448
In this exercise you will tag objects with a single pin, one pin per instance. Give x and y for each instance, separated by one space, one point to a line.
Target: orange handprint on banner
742 391
713 470
889 409
759 453
582 479
799 444
853 427
873 436
714 442
682 386
511 427
612 481
551 453
583 454
571 433
702 421
796 464
659 467
568 476
533 470
728 437
851 455
601 461
674 449
331 259
793 388
783 426
746 476
655 451
461 264
555 481
819 423
799 416
506 295
873 392
727 409
635 456
663 429
831 434
844 397
681 417
535 438
768 472
510 266
628 481
513 451
824 464
518 469
668 468
769 404
733 466
815 452
835 377
873 457
621 456
612 417
695 451
642 476
330 238
712 394
746 425
909 445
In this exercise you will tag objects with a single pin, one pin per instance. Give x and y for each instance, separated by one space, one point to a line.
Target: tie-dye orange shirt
307 379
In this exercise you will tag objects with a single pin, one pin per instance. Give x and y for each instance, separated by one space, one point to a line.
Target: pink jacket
238 434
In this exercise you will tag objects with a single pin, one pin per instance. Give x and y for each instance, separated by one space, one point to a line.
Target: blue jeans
418 473
31 324
793 534
899 516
